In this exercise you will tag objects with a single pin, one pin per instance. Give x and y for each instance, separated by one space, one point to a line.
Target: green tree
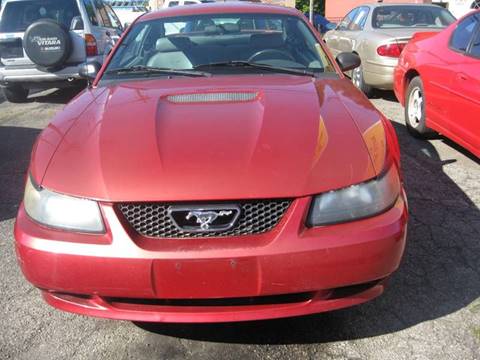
318 6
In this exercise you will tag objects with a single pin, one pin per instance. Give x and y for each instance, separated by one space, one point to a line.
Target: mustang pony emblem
205 218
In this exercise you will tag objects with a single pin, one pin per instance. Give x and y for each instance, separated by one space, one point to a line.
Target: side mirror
348 61
89 71
77 23
126 25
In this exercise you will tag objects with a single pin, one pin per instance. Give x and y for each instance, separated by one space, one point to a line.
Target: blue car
321 23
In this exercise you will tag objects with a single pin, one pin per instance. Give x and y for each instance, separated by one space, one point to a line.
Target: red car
438 81
219 168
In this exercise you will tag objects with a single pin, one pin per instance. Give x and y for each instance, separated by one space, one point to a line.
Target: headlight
62 211
357 201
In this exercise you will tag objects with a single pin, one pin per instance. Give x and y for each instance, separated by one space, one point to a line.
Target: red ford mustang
438 81
219 168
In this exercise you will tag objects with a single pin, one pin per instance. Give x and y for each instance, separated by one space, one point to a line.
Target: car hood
140 141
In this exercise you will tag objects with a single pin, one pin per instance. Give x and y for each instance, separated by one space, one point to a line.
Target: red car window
463 34
475 50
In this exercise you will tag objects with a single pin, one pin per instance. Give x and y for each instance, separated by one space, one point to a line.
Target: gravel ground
430 311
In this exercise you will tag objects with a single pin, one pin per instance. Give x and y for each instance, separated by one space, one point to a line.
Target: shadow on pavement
459 149
439 274
386 95
15 147
54 96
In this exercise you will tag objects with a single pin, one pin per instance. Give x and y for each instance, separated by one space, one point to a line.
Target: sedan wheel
359 82
356 77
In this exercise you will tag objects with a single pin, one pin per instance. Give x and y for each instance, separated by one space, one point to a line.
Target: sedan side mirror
89 71
348 61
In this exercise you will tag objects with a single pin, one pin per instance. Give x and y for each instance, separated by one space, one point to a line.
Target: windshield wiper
286 70
141 69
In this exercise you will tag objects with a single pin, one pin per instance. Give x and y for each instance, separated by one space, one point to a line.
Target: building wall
457 7
155 4
289 3
335 10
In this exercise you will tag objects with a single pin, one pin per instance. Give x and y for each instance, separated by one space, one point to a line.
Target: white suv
43 42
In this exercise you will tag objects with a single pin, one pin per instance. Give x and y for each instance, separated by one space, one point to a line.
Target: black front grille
242 301
153 220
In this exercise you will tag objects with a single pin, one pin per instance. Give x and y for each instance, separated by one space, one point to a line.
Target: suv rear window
18 15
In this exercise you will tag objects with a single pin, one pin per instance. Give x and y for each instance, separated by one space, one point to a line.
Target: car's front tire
15 94
359 81
415 115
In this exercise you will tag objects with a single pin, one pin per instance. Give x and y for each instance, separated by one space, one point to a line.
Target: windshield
203 41
18 15
411 16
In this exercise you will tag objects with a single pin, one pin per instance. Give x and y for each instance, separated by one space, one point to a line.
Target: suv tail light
390 50
91 45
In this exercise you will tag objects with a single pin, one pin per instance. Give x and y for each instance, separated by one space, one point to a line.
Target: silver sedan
378 33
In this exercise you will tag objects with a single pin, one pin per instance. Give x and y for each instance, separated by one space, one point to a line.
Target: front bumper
289 271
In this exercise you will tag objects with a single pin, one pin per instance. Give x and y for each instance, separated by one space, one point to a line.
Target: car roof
233 7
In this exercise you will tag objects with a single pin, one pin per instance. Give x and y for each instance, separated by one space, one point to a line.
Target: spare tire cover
47 43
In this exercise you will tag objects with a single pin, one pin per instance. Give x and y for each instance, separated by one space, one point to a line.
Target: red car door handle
462 77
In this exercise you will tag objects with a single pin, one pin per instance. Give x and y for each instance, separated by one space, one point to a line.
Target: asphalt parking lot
430 311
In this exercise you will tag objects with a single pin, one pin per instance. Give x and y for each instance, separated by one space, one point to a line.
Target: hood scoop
213 97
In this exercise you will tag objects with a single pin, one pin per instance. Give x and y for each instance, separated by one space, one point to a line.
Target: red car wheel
415 116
